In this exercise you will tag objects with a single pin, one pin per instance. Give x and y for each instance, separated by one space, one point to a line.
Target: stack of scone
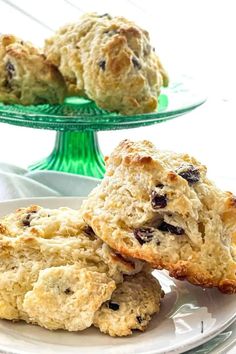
154 209
55 272
107 59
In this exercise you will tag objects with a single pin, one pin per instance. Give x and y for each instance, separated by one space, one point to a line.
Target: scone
67 297
110 60
131 305
63 289
54 271
26 77
159 206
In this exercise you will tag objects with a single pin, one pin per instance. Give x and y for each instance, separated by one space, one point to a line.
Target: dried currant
89 232
176 230
68 291
10 69
27 219
106 15
144 234
139 319
190 173
102 64
7 84
113 306
136 63
158 201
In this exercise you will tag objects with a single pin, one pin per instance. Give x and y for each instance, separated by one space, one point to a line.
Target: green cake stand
78 120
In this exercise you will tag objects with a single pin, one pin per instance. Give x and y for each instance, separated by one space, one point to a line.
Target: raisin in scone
26 77
159 206
110 60
131 305
54 253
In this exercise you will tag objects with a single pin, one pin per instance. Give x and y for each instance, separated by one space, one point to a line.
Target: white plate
189 316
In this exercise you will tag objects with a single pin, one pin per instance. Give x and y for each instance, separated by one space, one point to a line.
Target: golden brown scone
51 251
26 77
159 206
131 306
72 296
110 60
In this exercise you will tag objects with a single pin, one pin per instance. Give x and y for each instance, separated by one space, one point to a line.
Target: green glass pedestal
74 152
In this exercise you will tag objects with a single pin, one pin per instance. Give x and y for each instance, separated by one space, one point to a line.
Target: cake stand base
74 152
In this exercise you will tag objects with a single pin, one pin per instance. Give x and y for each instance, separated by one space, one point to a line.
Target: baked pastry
160 207
72 295
110 60
26 77
63 289
56 273
47 252
131 305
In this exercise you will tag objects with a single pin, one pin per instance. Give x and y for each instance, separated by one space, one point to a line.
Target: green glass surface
77 120
74 152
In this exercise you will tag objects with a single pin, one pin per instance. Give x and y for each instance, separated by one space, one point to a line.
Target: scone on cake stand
103 65
78 120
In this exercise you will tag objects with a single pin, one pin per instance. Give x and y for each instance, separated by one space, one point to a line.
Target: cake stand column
74 152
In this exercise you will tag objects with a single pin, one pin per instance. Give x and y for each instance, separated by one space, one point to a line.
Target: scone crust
203 250
131 306
110 60
26 77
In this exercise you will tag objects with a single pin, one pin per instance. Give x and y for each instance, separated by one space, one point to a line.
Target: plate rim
181 349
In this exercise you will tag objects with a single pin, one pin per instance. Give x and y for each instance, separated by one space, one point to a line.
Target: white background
192 37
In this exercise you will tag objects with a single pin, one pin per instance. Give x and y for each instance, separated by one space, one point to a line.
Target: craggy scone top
159 206
110 60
